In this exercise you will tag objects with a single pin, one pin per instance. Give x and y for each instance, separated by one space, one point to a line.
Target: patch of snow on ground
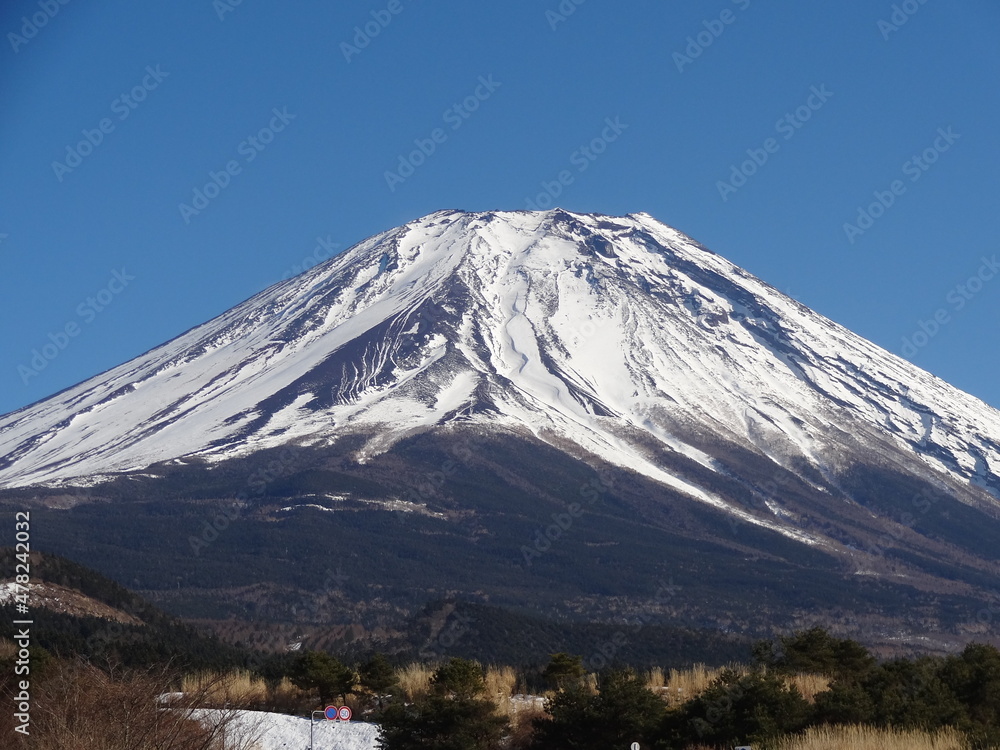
281 732
7 591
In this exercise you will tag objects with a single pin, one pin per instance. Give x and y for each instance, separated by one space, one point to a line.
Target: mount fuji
698 402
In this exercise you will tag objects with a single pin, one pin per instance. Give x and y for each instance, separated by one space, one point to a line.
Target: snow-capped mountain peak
617 339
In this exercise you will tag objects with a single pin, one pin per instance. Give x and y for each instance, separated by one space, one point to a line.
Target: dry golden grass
681 685
76 705
655 679
809 685
414 681
237 688
500 684
871 738
8 648
500 680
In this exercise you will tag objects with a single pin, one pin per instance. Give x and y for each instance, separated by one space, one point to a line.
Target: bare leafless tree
77 706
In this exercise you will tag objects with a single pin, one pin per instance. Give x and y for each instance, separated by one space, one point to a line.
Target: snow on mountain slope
596 332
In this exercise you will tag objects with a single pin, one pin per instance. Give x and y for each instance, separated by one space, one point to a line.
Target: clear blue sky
207 84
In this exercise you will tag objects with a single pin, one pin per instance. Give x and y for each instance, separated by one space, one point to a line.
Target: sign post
312 723
330 713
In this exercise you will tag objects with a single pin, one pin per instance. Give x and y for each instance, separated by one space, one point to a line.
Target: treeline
495 635
104 641
462 706
757 706
153 637
64 572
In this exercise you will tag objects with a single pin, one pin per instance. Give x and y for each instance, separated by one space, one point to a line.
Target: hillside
78 612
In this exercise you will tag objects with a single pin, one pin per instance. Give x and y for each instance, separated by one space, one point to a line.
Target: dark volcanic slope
767 458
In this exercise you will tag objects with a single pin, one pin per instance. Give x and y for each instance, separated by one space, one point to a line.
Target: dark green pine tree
622 712
737 710
563 670
377 677
455 716
317 670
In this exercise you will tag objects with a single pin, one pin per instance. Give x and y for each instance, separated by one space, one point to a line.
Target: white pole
312 722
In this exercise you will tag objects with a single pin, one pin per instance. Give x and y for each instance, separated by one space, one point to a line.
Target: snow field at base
567 314
282 732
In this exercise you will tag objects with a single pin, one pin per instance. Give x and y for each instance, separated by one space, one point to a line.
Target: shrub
623 711
739 709
75 704
317 670
563 670
813 651
454 716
